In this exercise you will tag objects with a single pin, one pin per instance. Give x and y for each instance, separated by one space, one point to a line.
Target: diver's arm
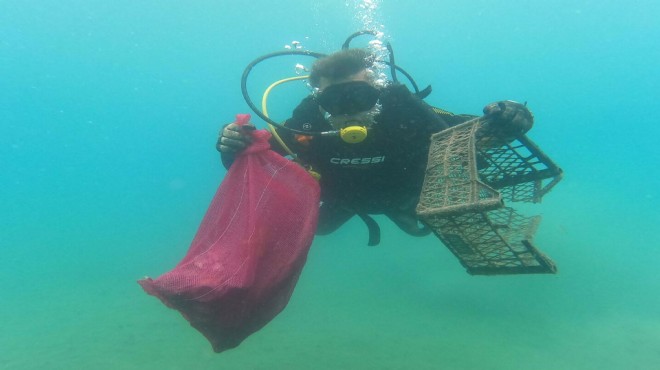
399 102
447 118
509 118
232 140
457 119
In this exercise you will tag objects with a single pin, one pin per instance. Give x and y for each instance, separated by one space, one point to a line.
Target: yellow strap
442 111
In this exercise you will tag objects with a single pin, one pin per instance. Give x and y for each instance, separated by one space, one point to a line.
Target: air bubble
301 69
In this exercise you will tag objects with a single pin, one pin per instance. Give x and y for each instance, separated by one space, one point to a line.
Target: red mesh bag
247 255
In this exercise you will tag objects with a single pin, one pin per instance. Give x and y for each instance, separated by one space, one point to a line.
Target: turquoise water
109 113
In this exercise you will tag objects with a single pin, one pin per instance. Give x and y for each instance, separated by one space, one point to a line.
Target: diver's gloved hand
509 118
234 138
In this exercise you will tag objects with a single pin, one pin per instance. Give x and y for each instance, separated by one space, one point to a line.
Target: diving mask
348 98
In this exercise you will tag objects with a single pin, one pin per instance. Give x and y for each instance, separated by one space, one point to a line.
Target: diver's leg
408 223
406 218
331 217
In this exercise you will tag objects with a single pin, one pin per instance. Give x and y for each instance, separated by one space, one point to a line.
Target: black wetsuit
381 175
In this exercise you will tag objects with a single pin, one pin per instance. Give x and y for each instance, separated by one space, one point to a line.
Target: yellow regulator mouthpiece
353 134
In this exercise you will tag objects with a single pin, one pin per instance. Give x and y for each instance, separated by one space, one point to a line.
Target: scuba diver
379 166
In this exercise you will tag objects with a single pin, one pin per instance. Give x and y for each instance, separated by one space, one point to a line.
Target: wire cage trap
471 174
